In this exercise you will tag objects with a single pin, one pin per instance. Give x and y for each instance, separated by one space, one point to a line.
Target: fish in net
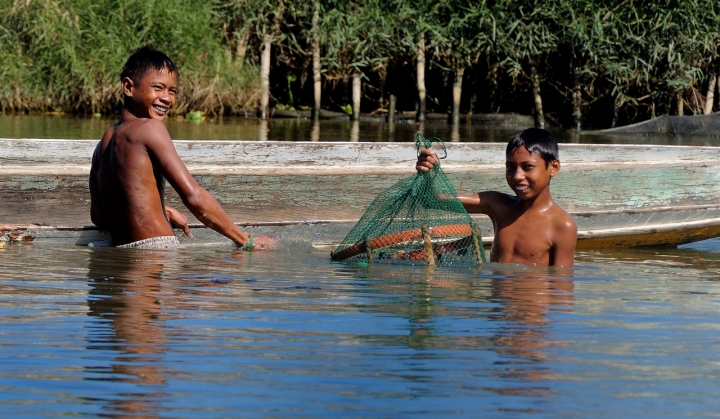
417 220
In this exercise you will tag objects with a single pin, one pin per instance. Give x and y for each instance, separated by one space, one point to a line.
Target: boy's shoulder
562 221
499 201
141 129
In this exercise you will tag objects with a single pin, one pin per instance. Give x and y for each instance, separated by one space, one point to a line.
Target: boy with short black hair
136 156
529 227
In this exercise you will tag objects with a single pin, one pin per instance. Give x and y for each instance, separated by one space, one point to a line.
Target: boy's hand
261 242
258 242
426 160
178 220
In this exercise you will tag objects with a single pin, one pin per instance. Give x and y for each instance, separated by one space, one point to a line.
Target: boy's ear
554 168
127 86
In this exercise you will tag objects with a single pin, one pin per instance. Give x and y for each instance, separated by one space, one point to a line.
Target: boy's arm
95 215
565 239
479 203
199 201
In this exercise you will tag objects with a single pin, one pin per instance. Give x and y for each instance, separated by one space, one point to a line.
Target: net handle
422 142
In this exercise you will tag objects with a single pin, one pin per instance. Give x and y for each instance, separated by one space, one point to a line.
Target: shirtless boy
529 227
136 155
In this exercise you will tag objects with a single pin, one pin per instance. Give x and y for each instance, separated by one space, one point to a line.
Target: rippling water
210 332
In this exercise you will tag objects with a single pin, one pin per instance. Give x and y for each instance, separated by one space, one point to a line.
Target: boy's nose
519 174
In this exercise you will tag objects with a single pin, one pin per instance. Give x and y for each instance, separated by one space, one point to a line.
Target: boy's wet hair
535 140
143 61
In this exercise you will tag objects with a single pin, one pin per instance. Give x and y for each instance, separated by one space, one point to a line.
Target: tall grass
66 55
618 60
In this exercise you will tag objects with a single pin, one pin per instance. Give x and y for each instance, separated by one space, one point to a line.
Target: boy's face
154 94
527 174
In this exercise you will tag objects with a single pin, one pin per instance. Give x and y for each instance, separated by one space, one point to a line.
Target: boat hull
619 195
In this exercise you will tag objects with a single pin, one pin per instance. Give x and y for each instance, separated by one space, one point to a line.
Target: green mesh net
417 220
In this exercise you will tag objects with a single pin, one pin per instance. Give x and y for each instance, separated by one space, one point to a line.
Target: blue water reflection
207 332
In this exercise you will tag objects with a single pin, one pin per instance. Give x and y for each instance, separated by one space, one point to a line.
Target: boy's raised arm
477 203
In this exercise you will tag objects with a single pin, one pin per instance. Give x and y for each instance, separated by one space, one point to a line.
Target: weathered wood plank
45 181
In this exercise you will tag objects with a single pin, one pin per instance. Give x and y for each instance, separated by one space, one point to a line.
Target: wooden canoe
619 195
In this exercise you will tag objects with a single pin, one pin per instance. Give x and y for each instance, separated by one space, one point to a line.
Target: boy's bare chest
526 239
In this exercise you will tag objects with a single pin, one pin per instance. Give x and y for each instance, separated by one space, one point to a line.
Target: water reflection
355 132
244 129
263 130
508 311
525 301
455 133
315 133
289 333
126 294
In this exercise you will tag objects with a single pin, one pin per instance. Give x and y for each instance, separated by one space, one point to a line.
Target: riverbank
235 57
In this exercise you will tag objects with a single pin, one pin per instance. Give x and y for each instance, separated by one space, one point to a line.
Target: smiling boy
136 156
529 227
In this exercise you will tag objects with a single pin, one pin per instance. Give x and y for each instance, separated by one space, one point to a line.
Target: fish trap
417 220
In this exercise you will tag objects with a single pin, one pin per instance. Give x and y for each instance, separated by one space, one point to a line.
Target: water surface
208 332
246 129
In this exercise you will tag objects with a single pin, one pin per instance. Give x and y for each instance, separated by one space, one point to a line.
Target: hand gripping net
417 220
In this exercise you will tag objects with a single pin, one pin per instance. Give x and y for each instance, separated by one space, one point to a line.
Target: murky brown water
238 128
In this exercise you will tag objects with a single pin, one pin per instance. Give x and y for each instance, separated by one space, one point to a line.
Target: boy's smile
527 174
154 94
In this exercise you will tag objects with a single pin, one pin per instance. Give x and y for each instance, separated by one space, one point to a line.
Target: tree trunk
653 115
710 99
577 101
455 133
473 105
304 73
241 47
356 90
391 108
492 93
317 88
382 73
355 131
315 132
345 88
263 130
420 68
265 76
472 88
616 110
680 104
539 115
457 92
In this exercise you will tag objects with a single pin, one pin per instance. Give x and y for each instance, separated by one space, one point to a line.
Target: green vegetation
568 62
66 55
